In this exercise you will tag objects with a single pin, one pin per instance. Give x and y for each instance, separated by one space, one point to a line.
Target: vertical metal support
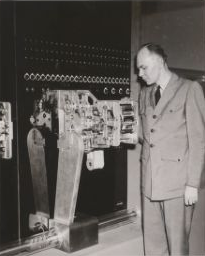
36 142
71 150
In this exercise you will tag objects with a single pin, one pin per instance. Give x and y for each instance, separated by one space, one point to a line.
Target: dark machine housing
52 46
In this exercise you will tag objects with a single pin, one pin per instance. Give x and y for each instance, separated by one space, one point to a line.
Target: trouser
166 226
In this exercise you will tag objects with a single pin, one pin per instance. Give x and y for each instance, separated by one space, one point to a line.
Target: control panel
87 47
63 65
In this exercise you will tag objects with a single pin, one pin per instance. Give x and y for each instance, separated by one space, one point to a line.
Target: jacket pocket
174 108
173 156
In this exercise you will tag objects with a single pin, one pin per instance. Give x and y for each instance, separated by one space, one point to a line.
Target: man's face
149 66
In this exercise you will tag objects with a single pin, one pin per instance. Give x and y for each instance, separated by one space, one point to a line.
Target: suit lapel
167 95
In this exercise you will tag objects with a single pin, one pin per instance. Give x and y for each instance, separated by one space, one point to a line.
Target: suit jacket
173 150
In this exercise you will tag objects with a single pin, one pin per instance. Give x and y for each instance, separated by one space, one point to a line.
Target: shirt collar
163 86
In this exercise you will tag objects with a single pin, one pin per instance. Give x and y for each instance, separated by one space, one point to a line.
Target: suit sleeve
195 120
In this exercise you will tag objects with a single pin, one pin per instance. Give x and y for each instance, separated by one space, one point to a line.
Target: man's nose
140 73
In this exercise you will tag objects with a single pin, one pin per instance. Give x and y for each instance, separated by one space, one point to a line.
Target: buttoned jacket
173 149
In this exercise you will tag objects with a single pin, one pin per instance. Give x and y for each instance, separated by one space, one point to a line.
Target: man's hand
190 195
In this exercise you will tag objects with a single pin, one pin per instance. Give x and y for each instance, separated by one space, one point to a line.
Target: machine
84 125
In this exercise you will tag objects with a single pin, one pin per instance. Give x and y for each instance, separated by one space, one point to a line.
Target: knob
113 90
53 77
93 79
32 76
85 80
109 80
62 78
67 78
43 77
105 90
105 80
72 78
80 79
97 80
48 77
89 79
101 80
76 79
124 80
120 91
26 76
112 80
127 91
57 78
37 77
120 80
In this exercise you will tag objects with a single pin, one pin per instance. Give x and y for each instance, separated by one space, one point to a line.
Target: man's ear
159 60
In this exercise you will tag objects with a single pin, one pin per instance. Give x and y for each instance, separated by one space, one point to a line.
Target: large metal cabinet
35 38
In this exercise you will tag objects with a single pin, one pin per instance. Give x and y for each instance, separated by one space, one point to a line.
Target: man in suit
172 111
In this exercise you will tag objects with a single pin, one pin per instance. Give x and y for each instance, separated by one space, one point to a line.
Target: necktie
157 94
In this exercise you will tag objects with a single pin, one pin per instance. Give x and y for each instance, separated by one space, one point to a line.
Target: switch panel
6 130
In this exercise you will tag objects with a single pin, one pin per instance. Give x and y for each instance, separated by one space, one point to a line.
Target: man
172 111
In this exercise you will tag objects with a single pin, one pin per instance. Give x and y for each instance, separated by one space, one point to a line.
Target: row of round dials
106 91
77 79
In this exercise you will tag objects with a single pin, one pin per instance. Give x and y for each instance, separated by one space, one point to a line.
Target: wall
179 26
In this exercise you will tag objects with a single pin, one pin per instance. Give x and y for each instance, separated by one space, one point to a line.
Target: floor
124 240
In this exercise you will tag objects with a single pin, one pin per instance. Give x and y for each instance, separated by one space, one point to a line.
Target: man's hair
155 48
